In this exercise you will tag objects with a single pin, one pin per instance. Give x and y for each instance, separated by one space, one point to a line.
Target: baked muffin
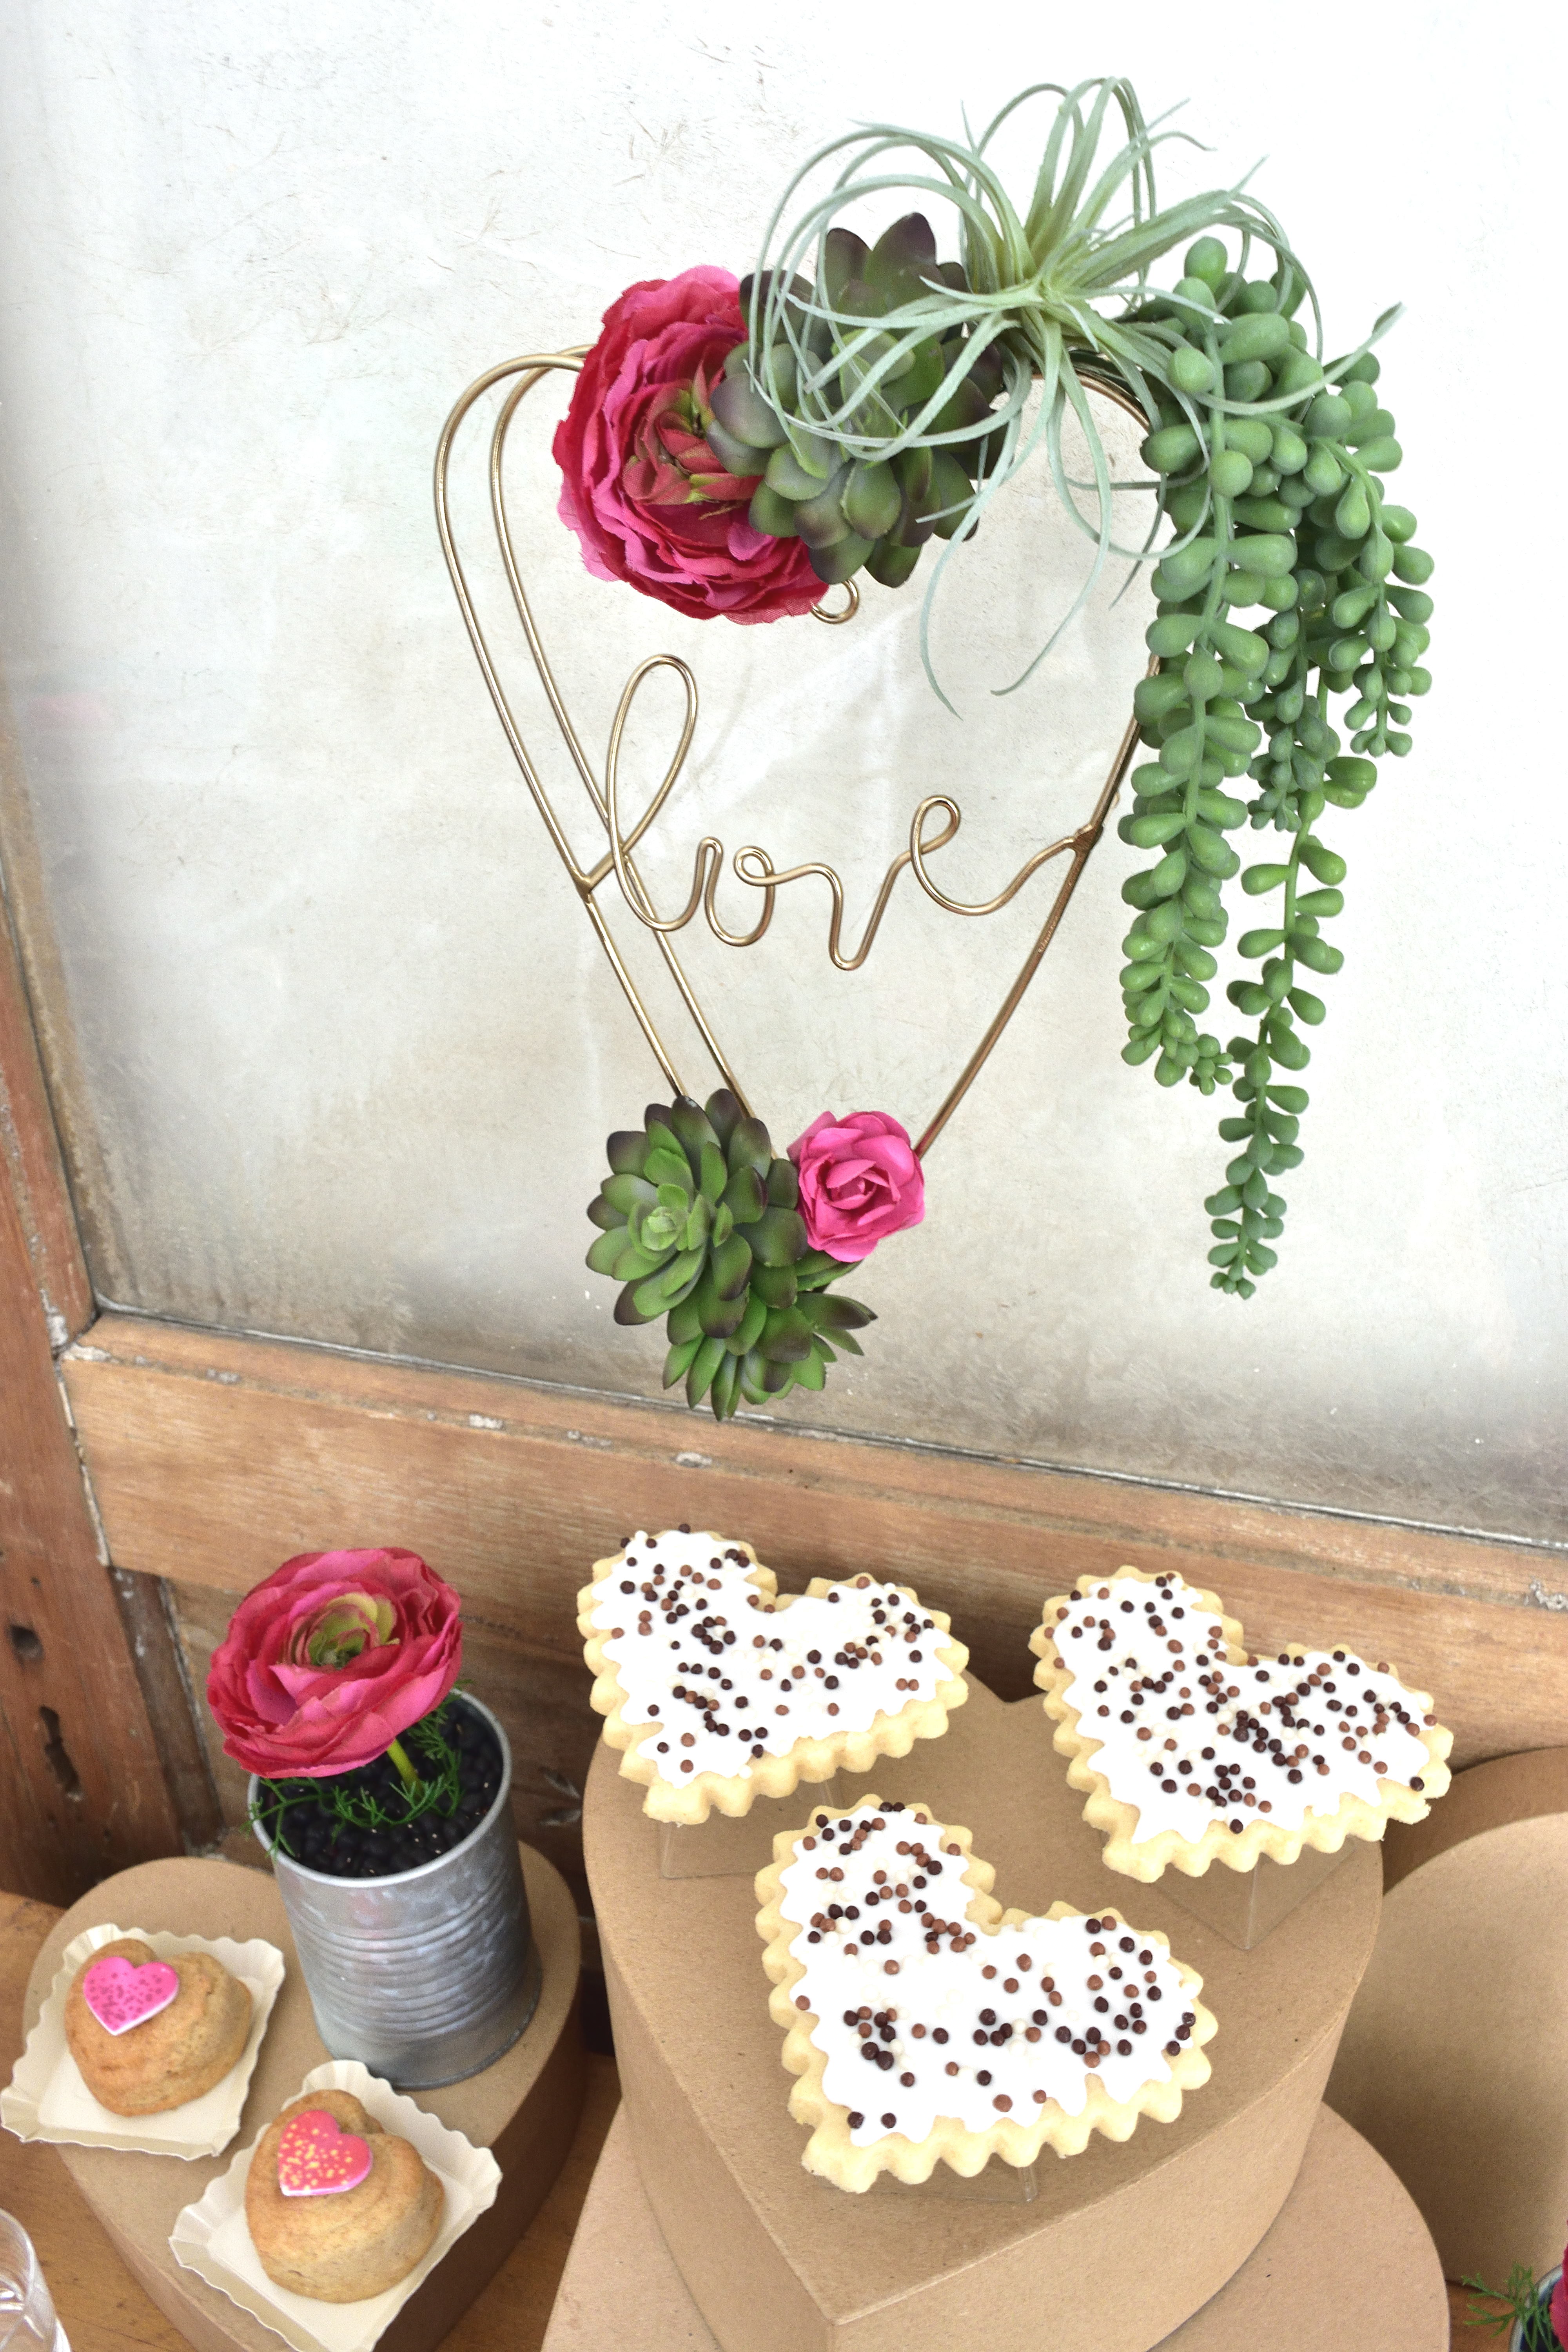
170 2056
340 2244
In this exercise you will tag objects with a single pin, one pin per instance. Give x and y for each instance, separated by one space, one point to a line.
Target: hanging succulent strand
886 400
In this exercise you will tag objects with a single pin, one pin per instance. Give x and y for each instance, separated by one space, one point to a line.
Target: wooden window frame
141 1460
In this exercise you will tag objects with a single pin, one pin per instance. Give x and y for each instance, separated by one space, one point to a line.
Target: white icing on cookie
1190 1736
696 1649
965 2024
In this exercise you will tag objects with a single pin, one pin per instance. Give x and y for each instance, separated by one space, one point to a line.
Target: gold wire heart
751 865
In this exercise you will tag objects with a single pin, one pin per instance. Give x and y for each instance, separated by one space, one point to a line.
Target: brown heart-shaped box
524 2109
1121 2244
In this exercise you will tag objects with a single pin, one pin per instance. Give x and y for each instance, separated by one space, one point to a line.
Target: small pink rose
859 1182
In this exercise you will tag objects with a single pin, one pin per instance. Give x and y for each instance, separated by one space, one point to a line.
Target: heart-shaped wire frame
751 865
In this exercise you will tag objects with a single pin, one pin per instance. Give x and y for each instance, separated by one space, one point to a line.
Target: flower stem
407 1772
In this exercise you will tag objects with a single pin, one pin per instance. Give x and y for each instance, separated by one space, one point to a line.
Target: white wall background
330 1038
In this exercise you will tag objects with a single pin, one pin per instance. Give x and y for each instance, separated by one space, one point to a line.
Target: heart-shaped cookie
121 1994
1192 1748
317 2158
927 2024
721 1689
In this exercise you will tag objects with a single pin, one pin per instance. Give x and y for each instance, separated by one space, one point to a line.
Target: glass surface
27 2309
334 1050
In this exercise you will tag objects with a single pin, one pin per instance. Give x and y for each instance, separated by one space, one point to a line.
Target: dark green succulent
700 1221
867 509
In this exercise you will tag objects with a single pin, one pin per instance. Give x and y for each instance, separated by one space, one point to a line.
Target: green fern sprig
438 1790
1526 2309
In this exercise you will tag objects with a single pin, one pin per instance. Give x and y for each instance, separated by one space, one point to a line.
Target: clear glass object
723 1847
1245 1906
26 2307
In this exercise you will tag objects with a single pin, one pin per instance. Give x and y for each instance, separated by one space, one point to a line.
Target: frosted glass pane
333 1045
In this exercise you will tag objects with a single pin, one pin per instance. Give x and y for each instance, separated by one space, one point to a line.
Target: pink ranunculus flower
859 1182
649 500
1557 2309
330 1658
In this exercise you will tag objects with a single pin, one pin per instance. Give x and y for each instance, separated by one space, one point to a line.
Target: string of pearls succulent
1271 467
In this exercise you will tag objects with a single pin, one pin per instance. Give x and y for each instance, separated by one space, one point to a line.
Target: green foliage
1526 2309
700 1223
1277 492
886 356
438 1789
877 503
1270 463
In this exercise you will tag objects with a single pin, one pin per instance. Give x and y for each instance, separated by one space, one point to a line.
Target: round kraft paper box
1455 2059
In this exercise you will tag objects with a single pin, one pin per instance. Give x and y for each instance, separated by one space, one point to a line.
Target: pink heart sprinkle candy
316 2157
120 1994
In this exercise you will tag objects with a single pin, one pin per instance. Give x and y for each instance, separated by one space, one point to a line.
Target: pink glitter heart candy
120 1994
316 2157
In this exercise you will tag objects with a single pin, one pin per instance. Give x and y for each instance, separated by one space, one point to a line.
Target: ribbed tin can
427 1975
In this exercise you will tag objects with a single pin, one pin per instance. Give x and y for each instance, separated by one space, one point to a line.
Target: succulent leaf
776 1285
624 1192
707 1357
778 1237
837 1314
745 1195
786 1336
693 1127
783 1185
732 1266
750 1146
724 1115
744 414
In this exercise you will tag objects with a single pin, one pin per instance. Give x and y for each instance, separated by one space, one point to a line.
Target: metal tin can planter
428 1975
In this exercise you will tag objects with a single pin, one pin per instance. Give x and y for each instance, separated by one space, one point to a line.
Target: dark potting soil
311 1833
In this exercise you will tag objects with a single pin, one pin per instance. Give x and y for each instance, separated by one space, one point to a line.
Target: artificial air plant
731 448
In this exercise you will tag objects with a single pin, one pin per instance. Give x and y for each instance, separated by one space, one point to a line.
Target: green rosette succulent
878 504
698 1220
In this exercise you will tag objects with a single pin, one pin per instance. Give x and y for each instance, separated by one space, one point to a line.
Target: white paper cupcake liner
48 2099
212 2239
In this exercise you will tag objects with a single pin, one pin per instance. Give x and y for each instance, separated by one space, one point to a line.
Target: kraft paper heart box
1122 2242
48 2099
